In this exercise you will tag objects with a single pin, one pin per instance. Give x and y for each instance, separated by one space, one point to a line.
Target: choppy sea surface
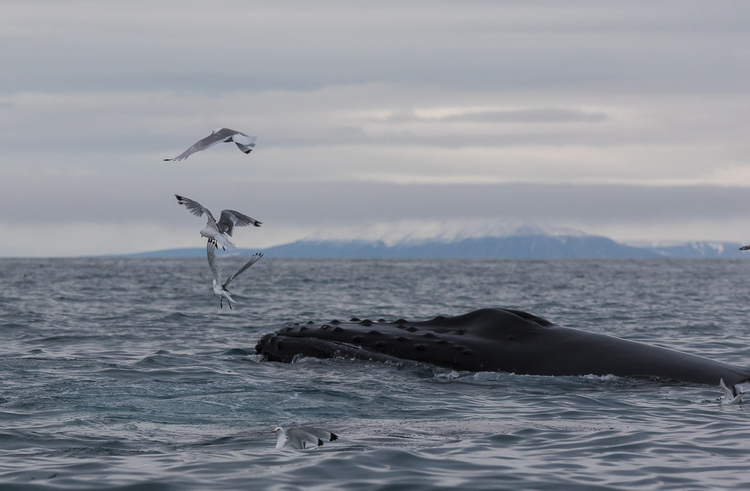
126 374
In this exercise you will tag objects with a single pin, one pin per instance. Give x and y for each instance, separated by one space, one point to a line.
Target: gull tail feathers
245 148
225 243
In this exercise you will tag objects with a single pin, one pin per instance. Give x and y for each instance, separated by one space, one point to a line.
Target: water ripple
125 374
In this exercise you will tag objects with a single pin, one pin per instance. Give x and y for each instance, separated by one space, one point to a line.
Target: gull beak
273 431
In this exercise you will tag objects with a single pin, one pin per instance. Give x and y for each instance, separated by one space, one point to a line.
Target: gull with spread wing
220 286
733 395
220 135
302 437
218 232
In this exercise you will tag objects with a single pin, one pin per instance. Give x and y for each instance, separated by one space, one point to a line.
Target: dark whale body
495 340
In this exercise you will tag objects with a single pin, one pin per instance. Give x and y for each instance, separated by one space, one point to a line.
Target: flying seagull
220 286
218 232
302 437
243 141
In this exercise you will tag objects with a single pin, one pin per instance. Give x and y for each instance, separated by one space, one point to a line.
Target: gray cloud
348 99
537 115
230 46
96 216
526 115
44 201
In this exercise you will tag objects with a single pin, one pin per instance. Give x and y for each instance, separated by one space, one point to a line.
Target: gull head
282 440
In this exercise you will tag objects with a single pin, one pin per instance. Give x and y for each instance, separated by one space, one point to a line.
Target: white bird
243 141
218 232
729 397
302 437
220 286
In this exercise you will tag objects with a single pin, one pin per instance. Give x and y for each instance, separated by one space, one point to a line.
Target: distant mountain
707 250
532 246
514 247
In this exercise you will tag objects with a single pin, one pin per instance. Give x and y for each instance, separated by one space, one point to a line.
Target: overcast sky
374 120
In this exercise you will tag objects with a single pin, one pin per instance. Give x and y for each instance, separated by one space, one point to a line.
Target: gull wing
729 395
256 257
211 254
208 142
240 137
244 142
195 208
302 439
230 218
318 433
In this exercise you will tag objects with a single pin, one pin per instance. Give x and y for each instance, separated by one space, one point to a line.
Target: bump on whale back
488 324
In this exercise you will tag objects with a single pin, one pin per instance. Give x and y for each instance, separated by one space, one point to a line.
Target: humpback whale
495 340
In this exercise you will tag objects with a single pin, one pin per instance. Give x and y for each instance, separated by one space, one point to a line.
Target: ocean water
126 374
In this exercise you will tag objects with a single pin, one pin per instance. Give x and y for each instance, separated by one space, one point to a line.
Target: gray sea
125 374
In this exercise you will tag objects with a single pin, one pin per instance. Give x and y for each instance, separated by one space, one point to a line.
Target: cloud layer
373 120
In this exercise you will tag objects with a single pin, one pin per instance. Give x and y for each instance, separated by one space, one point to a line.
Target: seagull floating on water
246 143
220 286
302 437
729 396
218 232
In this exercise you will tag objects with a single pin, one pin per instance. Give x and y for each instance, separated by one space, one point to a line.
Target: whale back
494 340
